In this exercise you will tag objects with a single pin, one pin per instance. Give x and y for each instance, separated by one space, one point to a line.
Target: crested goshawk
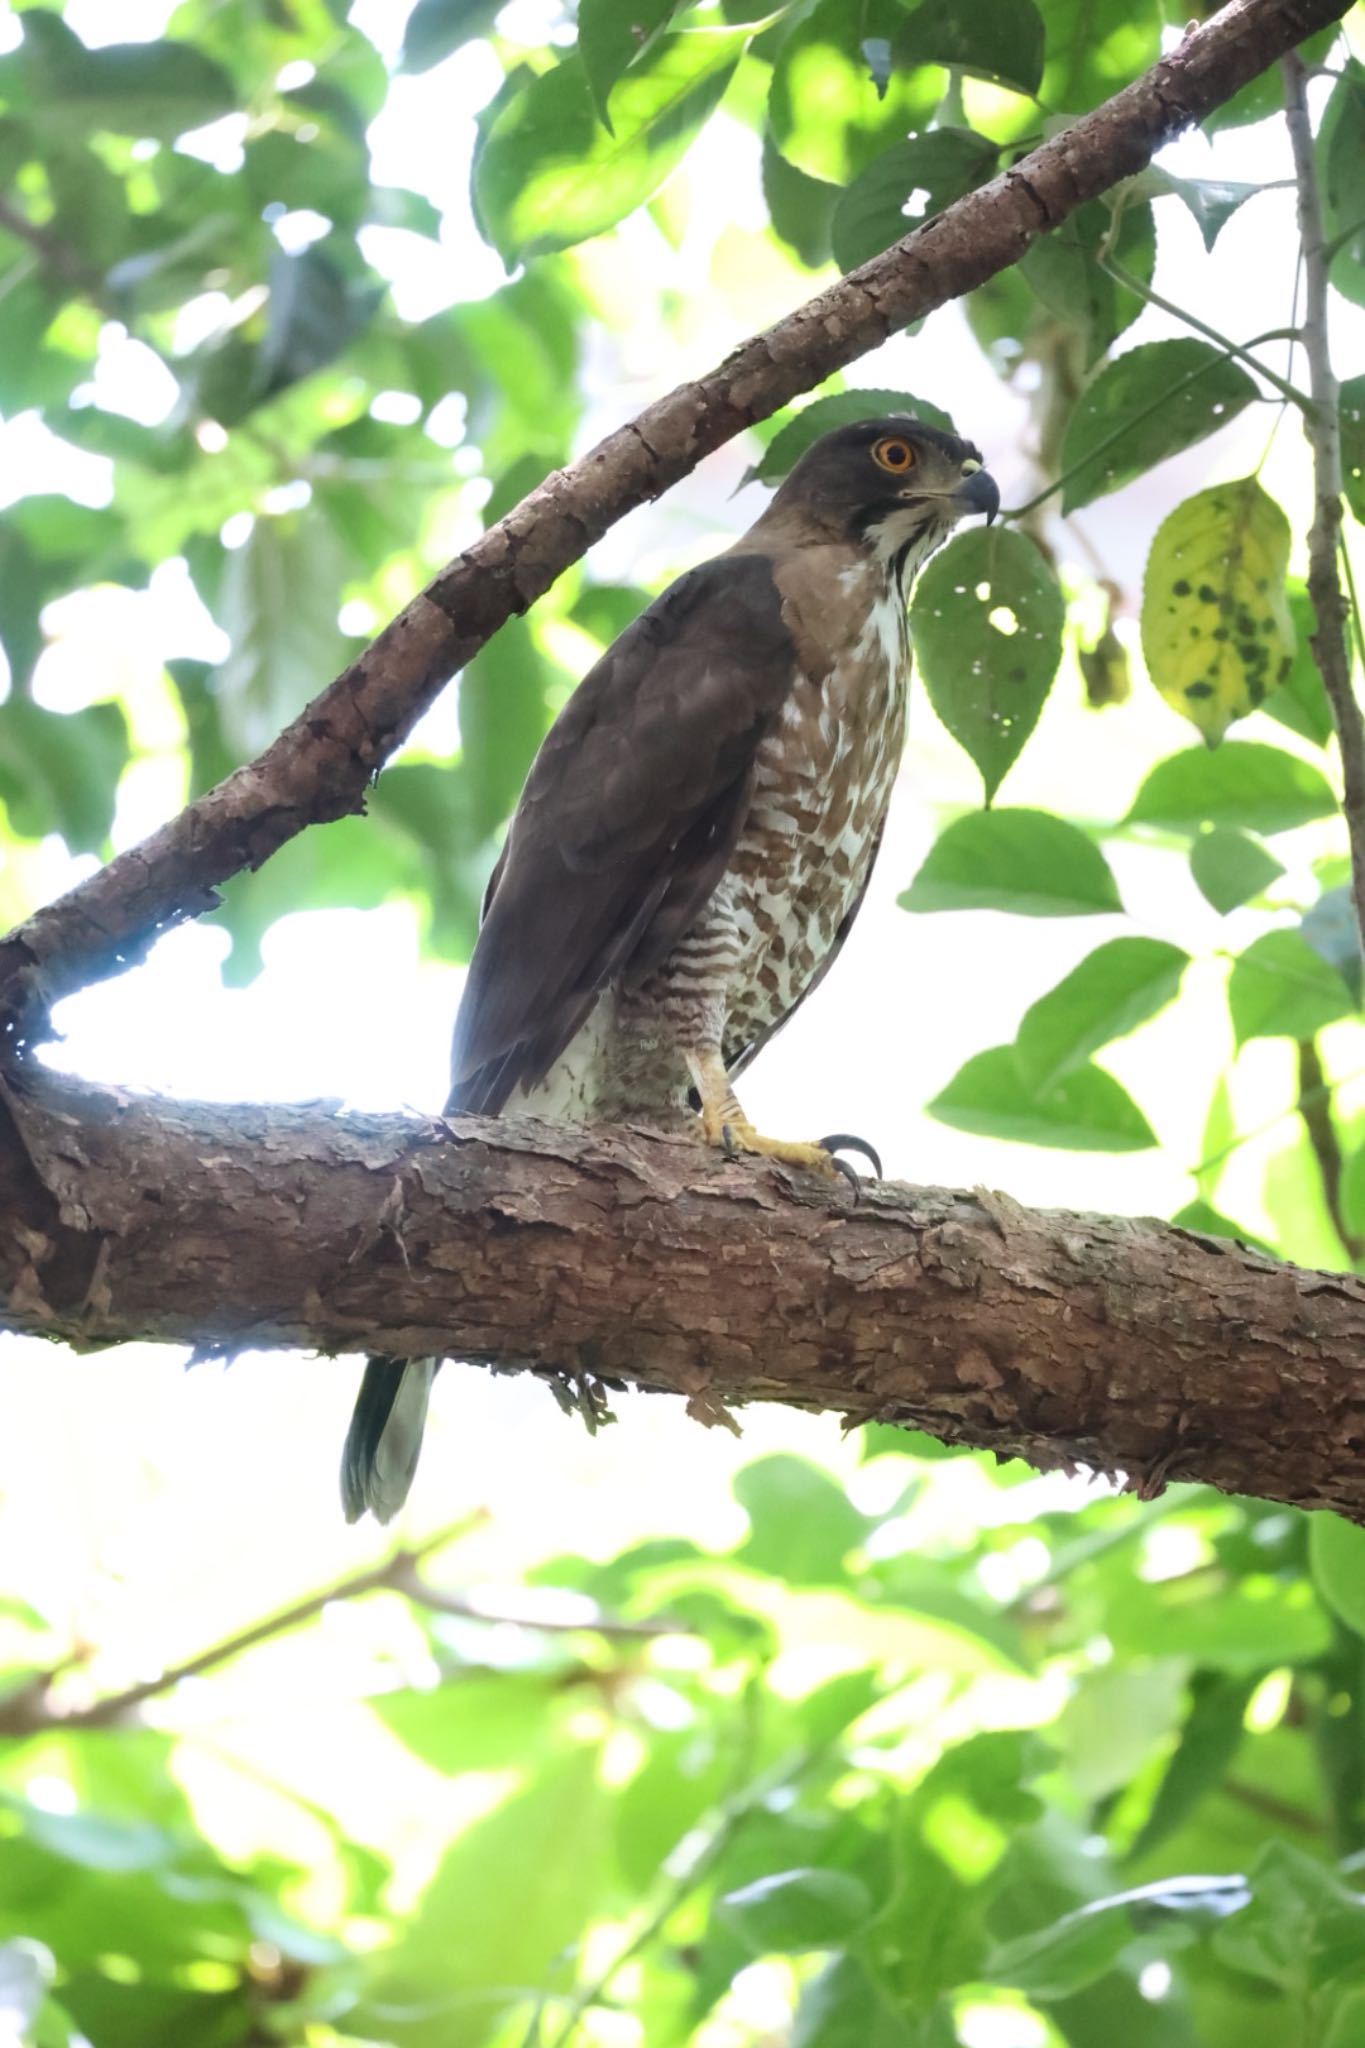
695 838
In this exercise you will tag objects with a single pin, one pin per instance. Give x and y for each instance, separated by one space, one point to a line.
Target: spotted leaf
1216 630
987 625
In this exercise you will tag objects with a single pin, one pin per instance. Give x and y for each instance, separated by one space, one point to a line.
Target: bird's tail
385 1436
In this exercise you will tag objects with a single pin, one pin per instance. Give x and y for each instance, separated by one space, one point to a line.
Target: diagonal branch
606 1255
319 767
30 1708
1323 429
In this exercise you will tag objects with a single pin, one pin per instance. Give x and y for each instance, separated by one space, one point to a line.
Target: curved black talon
727 1142
840 1141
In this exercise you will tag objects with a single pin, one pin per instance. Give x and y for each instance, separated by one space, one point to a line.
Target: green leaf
1230 867
1087 1111
1244 783
800 208
457 1990
1336 1554
1212 201
442 812
437 28
1065 271
1159 398
1341 151
548 175
612 34
503 719
1059 1960
1346 2021
1302 1928
996 39
801 1525
1096 46
1024 861
1209 1741
1353 443
839 409
1119 986
1081 1946
278 606
844 2007
1300 702
904 187
59 771
95 1841
1281 988
826 114
313 314
1216 630
796 1910
157 89
986 621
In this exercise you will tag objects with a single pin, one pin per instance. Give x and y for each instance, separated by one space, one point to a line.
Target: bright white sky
346 1008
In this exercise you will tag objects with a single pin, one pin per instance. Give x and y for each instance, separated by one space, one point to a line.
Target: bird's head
894 484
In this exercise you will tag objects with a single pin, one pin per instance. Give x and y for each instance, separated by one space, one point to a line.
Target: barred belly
823 782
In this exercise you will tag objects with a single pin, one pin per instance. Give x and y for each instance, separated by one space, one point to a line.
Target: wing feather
627 822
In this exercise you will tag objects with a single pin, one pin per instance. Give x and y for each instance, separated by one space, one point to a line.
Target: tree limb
319 767
1323 429
617 1256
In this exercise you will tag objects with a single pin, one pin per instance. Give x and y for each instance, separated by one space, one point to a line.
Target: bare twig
320 767
1323 429
30 1708
55 254
407 1579
1240 349
1315 1107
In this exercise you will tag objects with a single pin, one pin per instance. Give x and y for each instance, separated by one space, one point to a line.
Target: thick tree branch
616 1256
319 767
1323 429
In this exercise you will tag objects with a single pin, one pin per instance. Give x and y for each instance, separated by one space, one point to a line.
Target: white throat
904 540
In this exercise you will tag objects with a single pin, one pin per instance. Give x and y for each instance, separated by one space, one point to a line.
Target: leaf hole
1003 620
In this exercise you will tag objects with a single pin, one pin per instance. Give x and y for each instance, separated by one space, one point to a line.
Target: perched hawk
695 838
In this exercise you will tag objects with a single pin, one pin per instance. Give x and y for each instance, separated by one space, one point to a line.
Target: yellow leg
725 1125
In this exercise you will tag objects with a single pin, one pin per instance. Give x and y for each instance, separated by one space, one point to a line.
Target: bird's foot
730 1130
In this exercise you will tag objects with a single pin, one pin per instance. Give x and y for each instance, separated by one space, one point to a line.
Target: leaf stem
1233 348
1322 427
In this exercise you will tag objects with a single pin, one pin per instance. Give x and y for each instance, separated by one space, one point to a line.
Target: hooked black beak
979 492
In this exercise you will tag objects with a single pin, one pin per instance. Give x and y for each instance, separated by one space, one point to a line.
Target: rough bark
615 1256
320 766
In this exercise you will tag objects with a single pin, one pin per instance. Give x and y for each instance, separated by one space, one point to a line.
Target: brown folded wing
627 822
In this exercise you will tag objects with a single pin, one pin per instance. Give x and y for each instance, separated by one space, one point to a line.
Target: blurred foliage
966 1767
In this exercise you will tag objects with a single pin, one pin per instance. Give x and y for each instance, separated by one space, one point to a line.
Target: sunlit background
149 1513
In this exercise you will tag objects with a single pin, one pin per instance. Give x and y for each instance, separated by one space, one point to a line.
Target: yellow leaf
1216 630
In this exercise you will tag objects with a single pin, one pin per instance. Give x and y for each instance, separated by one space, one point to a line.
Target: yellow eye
894 454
